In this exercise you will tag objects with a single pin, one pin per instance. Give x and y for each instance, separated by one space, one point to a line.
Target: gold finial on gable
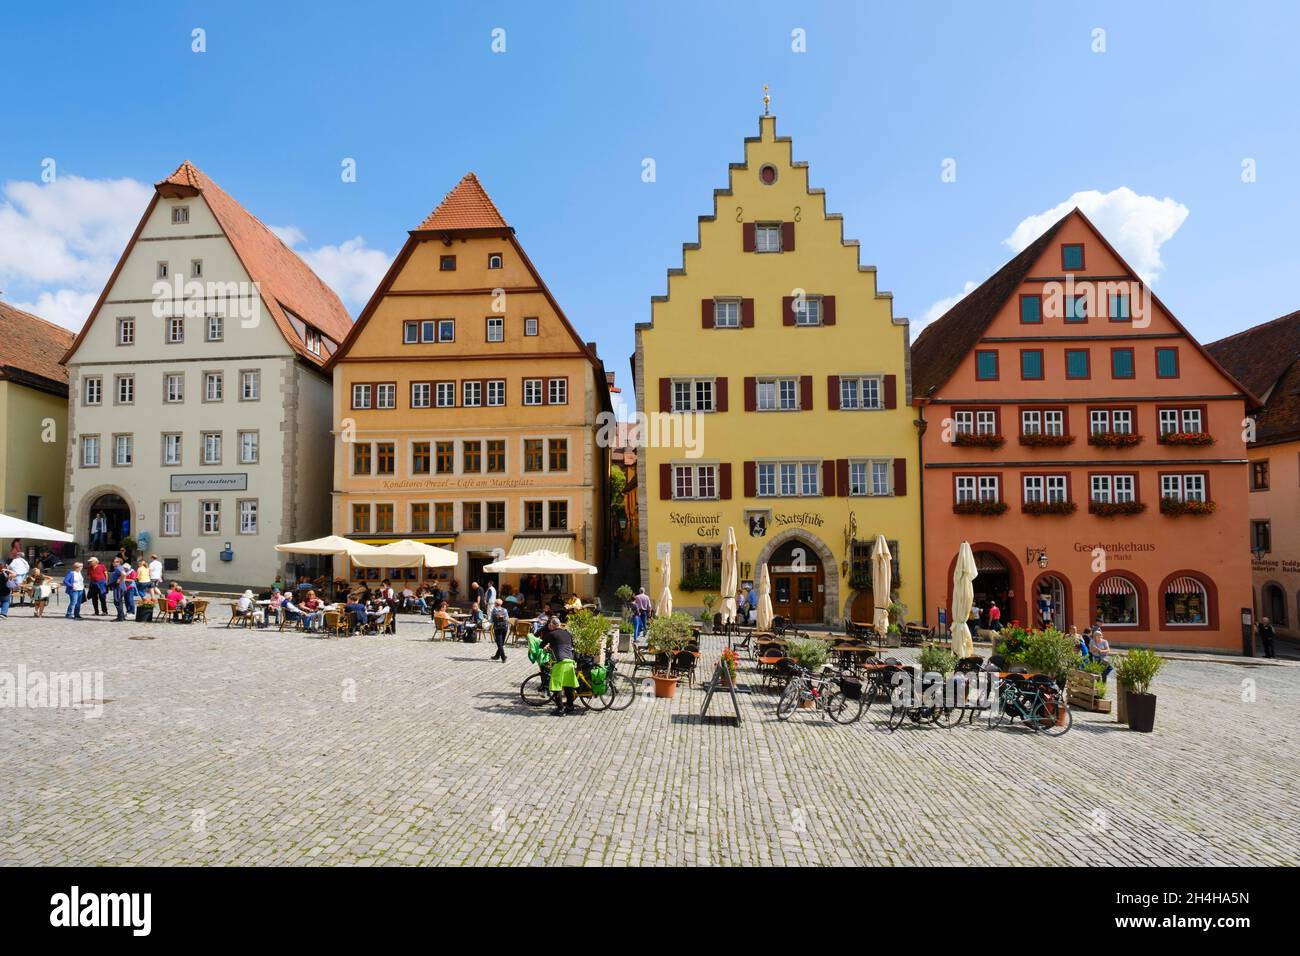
766 100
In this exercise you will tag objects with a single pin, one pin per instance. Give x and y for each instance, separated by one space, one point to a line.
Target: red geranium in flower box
1114 439
968 440
1186 438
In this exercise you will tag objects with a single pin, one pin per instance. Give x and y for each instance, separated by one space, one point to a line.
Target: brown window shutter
787 310
751 393
805 392
900 476
706 313
833 392
665 395
746 313
665 482
720 394
828 310
891 391
751 480
724 481
828 478
787 237
842 477
747 236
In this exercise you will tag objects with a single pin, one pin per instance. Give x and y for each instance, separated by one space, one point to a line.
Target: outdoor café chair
200 611
684 664
641 661
334 623
519 632
242 618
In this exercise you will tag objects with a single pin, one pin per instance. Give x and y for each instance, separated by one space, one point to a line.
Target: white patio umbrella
963 596
406 554
664 606
541 561
730 577
763 622
11 528
881 584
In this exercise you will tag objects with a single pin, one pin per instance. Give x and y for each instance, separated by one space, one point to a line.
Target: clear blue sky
557 127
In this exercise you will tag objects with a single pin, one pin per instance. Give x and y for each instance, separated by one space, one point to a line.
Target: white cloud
63 307
1137 226
351 268
939 308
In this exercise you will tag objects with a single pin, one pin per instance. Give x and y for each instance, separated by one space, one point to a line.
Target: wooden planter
1121 696
1083 694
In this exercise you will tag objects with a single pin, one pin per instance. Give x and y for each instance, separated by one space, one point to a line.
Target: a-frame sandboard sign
721 679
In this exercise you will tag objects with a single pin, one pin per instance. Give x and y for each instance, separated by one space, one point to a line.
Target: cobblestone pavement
239 747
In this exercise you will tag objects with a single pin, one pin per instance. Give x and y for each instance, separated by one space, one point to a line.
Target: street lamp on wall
1036 555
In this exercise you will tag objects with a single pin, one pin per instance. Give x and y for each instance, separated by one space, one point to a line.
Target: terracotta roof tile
468 206
1266 359
32 349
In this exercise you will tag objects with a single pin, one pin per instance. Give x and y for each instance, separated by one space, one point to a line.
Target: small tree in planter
589 630
809 652
144 609
1135 671
706 616
937 659
668 635
1052 653
625 593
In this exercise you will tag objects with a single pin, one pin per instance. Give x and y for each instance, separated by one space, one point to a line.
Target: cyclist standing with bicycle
564 672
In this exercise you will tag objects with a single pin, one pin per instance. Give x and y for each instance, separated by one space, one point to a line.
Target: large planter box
1082 693
144 614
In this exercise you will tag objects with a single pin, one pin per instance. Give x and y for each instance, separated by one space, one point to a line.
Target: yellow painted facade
472 468
734 322
32 453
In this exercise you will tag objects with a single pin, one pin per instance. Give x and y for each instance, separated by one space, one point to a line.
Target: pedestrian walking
500 619
75 584
1265 631
97 586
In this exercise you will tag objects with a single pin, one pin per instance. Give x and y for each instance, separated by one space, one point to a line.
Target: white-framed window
421 394
444 394
808 310
1188 487
963 422
1117 489
1118 421
1186 603
496 392
311 337
1117 602
777 394
789 479
471 394
123 450
532 391
211 511
557 391
215 330
171 519
174 388
214 386
248 516
386 395
250 385
212 448
180 215
881 477
171 449
249 447
1180 420
977 488
93 390
495 260
726 313
175 330
90 451
1121 421
1048 489
767 237
126 330
446 330
530 326
496 328
695 481
810 479
861 392
986 423
362 395
196 268
766 473
125 389
693 395
869 478
163 270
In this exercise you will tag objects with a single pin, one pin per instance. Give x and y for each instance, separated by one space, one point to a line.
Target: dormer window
180 215
495 260
312 338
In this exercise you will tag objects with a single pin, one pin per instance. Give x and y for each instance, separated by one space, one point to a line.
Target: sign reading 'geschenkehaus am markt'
229 482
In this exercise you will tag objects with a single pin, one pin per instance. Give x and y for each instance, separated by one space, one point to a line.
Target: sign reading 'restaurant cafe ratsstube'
229 482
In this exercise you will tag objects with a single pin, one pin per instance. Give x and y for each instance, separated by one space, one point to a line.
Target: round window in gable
767 174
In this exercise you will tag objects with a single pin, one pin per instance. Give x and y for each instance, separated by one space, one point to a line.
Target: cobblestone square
239 747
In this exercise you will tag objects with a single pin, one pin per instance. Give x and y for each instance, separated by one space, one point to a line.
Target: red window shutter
828 478
805 392
720 394
724 481
891 391
665 395
787 237
665 482
746 313
747 236
787 310
900 476
842 477
751 480
751 393
828 310
833 392
706 313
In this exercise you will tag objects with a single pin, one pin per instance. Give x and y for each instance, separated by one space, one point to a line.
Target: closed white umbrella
730 577
963 596
406 554
763 622
664 606
330 544
881 585
11 528
539 562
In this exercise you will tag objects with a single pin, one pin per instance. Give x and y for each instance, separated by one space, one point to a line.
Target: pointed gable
467 206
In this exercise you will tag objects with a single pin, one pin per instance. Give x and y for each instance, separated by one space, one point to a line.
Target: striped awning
1115 585
561 545
986 562
1184 586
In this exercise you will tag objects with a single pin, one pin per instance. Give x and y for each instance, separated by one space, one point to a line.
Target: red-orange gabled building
1089 449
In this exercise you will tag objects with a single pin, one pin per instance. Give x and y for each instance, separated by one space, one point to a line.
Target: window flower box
700 581
1186 438
1046 441
1114 439
979 508
968 440
1111 509
1177 506
1049 508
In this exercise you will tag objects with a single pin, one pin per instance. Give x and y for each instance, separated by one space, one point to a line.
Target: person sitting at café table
290 612
356 606
248 607
377 609
176 601
1099 650
276 608
442 619
573 604
473 621
313 609
512 601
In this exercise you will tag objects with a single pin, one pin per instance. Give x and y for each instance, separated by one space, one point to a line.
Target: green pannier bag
598 680
536 653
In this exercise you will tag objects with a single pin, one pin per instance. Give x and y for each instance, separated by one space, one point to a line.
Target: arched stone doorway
1000 578
1273 604
805 578
114 507
1049 601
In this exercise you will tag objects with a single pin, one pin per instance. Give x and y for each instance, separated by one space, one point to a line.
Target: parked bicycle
1036 702
838 695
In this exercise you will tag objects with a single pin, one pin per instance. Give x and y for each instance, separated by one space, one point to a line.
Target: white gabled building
199 417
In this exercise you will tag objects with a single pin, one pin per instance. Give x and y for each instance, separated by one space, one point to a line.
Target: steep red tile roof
32 349
1267 360
467 206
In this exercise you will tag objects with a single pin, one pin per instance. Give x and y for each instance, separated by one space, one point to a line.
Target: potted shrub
625 593
810 653
1052 653
1136 670
937 659
144 610
667 635
588 630
624 637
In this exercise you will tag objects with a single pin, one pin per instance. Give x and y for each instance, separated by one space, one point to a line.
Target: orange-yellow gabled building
466 405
